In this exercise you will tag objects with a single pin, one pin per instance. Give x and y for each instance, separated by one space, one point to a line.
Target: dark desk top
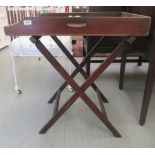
86 24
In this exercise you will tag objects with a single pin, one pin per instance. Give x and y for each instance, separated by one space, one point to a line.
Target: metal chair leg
18 91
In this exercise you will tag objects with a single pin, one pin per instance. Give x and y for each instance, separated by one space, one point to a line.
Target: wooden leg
84 57
101 104
65 107
122 70
58 114
148 90
88 68
140 59
56 103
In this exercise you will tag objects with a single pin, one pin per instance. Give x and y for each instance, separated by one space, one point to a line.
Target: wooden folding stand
94 24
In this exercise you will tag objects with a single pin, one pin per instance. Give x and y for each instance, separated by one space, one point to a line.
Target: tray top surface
88 24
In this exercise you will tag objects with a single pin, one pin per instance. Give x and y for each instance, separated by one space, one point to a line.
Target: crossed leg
78 68
79 91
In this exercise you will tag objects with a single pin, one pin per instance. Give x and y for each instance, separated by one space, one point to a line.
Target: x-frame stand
80 91
79 69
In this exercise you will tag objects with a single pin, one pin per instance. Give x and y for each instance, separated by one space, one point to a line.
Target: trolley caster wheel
18 91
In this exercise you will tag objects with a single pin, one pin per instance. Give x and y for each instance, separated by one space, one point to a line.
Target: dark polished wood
101 104
111 42
117 24
148 45
56 103
122 70
148 84
108 24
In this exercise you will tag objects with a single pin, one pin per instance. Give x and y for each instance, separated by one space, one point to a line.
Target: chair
141 45
109 43
148 48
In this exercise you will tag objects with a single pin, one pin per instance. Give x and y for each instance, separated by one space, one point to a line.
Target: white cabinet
4 40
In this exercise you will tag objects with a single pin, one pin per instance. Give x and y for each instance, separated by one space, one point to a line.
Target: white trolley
22 46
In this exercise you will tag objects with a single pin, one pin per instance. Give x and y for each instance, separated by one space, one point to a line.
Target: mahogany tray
86 24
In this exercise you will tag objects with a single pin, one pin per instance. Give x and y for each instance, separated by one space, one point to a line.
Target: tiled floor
21 116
